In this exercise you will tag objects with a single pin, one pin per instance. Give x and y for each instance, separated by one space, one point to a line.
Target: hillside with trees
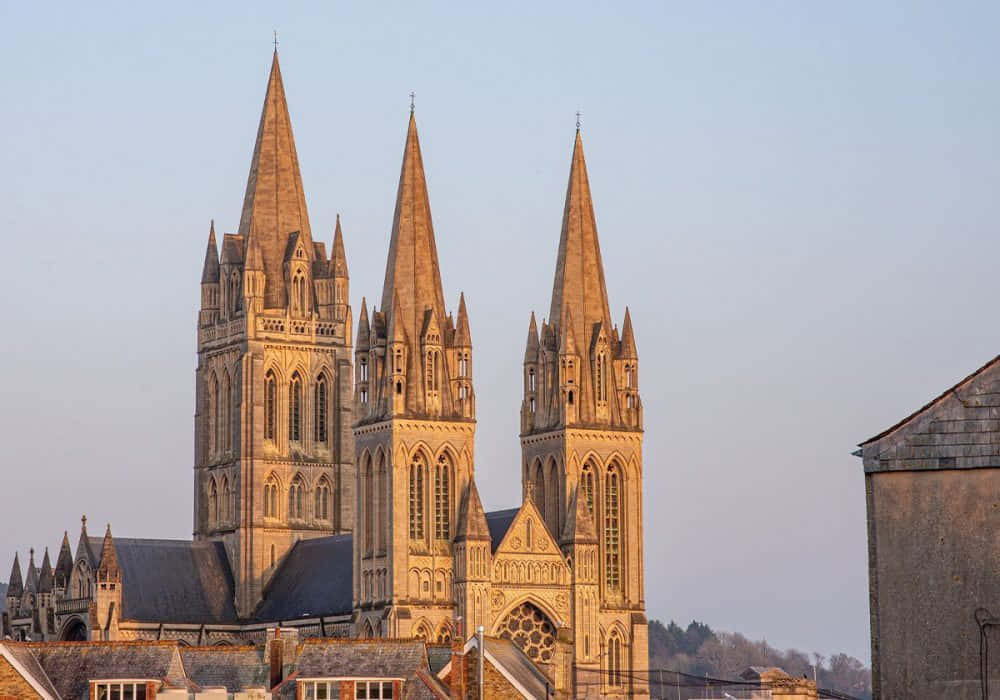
698 650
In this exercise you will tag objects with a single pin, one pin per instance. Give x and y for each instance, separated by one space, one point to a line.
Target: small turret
473 560
362 363
430 346
397 358
64 565
338 270
529 406
253 277
15 588
627 369
569 371
209 312
462 362
46 580
108 602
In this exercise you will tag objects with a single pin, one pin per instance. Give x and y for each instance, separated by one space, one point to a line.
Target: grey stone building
932 484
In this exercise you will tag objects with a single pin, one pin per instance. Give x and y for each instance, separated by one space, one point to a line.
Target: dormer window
121 690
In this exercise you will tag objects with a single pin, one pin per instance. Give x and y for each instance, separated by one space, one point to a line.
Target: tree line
699 650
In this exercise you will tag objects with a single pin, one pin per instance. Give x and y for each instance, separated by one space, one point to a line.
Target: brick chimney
458 684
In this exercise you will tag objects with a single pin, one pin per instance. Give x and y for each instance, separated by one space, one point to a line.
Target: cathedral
334 465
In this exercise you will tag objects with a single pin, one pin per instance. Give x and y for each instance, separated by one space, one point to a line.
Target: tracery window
295 498
319 411
530 629
295 409
299 293
271 498
322 505
612 530
442 499
270 405
417 469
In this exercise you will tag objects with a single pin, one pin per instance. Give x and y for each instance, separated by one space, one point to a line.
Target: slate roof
438 656
499 522
30 664
518 665
70 665
361 658
235 668
315 579
175 581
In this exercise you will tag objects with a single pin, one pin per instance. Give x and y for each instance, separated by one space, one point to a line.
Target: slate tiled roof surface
518 665
175 581
71 665
315 579
499 522
235 668
438 656
376 658
30 664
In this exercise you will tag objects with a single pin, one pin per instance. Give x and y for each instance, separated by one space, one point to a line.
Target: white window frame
120 684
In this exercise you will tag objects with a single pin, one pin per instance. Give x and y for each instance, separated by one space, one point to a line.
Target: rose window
530 629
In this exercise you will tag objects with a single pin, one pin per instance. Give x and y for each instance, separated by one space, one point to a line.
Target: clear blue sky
797 200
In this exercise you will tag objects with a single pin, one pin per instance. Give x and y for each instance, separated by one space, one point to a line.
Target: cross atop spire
577 120
275 40
413 97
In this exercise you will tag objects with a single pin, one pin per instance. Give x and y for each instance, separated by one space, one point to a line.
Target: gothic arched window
323 500
417 469
295 409
213 415
295 498
225 515
271 498
612 530
531 379
319 411
270 406
381 486
442 499
226 425
615 675
213 503
369 493
587 482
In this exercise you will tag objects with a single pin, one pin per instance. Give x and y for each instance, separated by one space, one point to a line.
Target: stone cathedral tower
581 443
273 447
415 411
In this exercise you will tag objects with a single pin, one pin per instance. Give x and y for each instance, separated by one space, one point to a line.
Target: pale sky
797 201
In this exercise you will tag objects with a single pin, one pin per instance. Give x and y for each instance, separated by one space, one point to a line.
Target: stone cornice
610 435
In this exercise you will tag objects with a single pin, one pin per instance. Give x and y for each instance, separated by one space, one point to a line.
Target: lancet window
442 499
417 470
322 505
271 498
319 411
295 409
295 499
612 530
270 406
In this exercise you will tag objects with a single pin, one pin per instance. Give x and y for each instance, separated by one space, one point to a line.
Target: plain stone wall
935 539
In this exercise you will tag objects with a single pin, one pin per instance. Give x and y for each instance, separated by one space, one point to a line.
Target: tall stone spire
579 281
412 269
108 567
275 203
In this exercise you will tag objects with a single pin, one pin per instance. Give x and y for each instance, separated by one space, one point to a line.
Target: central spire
579 281
275 203
412 269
